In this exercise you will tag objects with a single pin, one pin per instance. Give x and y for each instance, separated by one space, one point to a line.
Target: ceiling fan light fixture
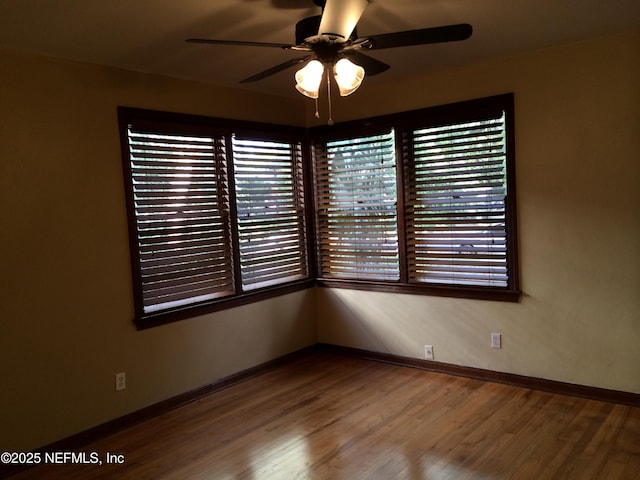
348 76
309 77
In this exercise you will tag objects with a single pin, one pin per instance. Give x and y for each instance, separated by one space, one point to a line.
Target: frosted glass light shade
308 79
348 75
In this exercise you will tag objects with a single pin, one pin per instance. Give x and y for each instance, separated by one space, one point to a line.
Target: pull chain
330 121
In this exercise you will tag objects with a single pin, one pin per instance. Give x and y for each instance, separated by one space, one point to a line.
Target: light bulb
308 79
348 75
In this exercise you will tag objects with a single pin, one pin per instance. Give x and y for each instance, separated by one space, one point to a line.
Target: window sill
475 293
154 319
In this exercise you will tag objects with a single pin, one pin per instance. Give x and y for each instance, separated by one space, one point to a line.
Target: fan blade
371 65
277 69
286 46
340 17
448 33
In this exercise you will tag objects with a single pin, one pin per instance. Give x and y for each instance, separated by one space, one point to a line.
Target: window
455 204
217 217
181 209
356 208
270 204
451 228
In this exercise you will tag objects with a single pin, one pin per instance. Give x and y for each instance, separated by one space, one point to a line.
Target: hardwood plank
333 416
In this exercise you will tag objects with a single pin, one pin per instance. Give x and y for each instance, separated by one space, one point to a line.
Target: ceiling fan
331 40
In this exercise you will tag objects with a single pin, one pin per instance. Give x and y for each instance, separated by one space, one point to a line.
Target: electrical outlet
496 340
121 381
428 352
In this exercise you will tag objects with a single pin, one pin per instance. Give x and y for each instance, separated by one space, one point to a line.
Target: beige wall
66 296
66 303
577 120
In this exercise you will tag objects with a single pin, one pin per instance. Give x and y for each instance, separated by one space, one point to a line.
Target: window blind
455 204
181 205
356 208
271 211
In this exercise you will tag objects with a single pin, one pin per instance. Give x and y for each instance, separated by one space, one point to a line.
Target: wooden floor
337 417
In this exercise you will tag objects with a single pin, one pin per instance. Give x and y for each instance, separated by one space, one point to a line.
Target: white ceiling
148 35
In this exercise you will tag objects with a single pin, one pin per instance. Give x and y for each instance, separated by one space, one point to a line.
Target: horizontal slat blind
270 205
455 204
356 208
182 218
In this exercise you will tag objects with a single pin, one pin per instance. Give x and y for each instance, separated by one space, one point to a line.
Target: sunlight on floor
286 457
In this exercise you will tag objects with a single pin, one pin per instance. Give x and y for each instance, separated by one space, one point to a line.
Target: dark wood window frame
234 292
403 125
310 140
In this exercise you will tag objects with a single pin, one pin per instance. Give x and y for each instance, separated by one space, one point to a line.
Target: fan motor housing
307 29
